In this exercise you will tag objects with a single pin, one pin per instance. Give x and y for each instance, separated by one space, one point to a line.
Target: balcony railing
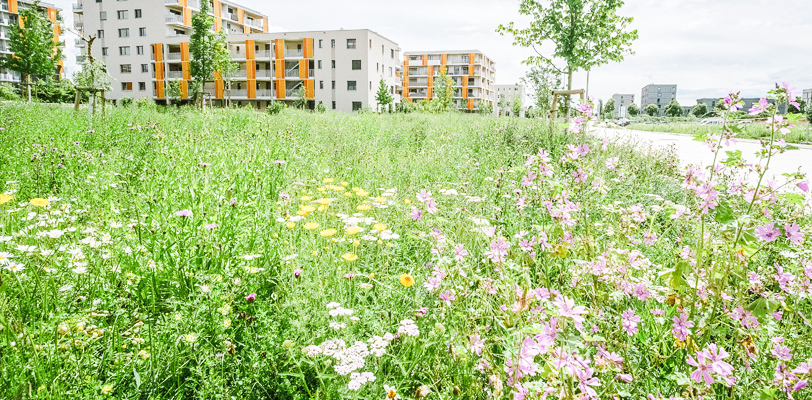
293 53
173 18
233 17
174 74
265 73
239 92
263 54
77 7
240 74
264 93
172 56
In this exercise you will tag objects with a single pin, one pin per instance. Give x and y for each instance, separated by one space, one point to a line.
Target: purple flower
767 232
630 322
477 344
184 213
280 162
459 252
498 250
641 292
431 206
760 107
448 296
781 352
416 214
567 308
703 368
251 297
211 226
794 233
297 272
681 327
423 196
804 185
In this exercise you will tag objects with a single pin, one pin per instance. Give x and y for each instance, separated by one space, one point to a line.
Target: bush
321 108
145 103
8 92
125 102
275 107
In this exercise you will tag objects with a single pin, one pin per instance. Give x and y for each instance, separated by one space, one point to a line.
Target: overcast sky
706 47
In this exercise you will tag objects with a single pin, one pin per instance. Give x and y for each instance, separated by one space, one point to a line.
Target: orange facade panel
219 85
280 69
184 89
265 24
251 69
465 88
471 57
307 47
159 89
279 49
218 15
444 59
184 51
241 16
470 104
252 89
250 50
12 6
425 59
303 65
310 89
187 16
280 89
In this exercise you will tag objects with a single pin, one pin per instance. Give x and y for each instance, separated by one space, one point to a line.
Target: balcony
293 92
233 17
79 43
265 73
174 74
292 73
293 53
78 7
173 56
240 74
264 93
175 19
238 92
263 54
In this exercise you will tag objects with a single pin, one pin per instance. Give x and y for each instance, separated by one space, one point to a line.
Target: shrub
275 107
8 92
125 102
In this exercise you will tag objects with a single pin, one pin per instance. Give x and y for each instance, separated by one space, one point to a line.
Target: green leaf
733 157
767 394
762 307
137 378
794 198
680 378
675 277
723 213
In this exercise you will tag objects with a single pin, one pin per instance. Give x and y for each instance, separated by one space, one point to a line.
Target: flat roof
411 53
305 33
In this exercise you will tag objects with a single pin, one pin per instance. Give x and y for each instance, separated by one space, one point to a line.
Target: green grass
124 297
756 131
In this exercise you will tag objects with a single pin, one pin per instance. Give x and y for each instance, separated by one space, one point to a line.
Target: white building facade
622 103
506 95
473 73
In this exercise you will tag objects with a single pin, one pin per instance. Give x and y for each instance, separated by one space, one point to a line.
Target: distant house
806 96
659 95
748 103
622 103
508 93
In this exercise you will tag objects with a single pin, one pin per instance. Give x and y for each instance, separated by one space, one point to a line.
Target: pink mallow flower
477 344
567 308
681 327
630 321
767 232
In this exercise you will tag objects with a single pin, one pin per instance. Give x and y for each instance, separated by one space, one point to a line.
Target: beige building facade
473 73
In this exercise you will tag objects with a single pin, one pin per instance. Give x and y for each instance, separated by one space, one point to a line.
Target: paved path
693 152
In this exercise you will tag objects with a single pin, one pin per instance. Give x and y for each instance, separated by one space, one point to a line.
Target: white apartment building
473 73
127 29
622 103
505 95
806 96
341 69
9 15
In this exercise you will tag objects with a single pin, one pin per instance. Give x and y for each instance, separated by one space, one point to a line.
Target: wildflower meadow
172 254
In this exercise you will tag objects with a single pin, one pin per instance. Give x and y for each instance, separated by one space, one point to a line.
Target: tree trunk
587 85
569 87
28 86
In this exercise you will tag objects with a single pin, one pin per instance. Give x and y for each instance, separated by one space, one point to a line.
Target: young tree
173 92
501 103
633 110
609 108
203 46
585 33
35 53
673 109
516 106
301 97
383 97
542 81
223 64
699 110
443 92
651 110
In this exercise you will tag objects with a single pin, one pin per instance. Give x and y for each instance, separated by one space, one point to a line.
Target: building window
392 56
350 43
139 50
104 51
142 86
334 105
319 64
321 84
351 85
122 14
138 13
100 34
321 42
390 71
356 65
333 43
334 85
127 86
334 64
126 68
124 32
103 15
356 105
142 31
144 68
124 50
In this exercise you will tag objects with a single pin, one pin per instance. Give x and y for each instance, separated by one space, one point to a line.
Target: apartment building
127 29
749 102
659 95
806 96
341 69
9 15
505 95
473 73
622 103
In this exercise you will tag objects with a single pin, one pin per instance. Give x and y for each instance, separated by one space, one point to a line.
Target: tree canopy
673 109
651 110
383 97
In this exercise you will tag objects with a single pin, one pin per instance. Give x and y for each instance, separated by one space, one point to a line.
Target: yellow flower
328 232
345 184
324 202
364 207
407 201
106 389
311 226
379 227
305 198
380 199
329 180
352 230
356 243
308 209
362 193
4 198
290 225
348 194
322 208
349 257
406 280
190 338
40 202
